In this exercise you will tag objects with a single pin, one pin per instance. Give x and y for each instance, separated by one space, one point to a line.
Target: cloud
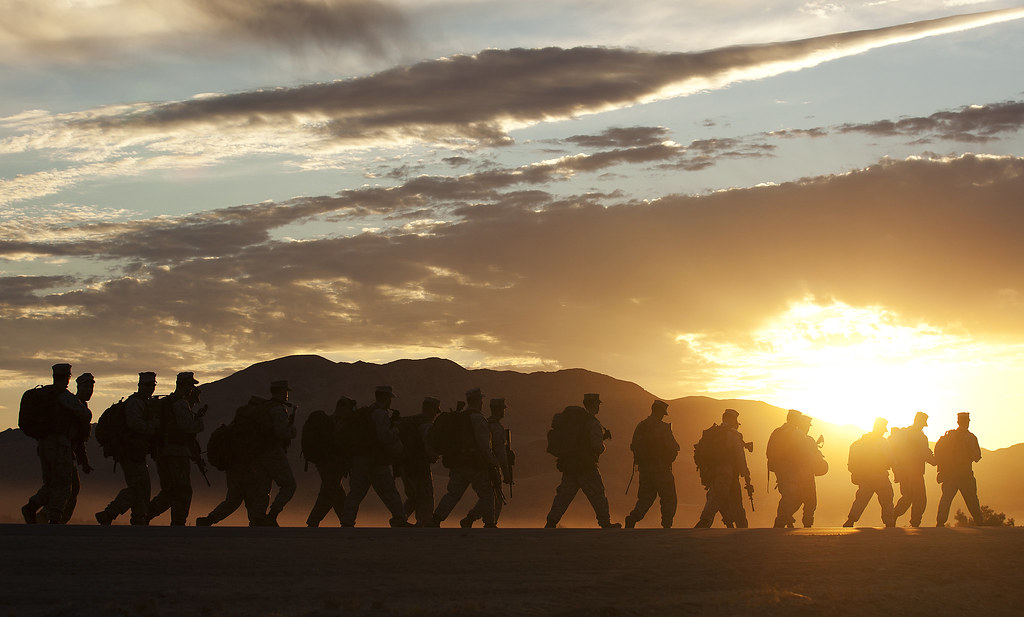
73 32
972 124
460 100
590 281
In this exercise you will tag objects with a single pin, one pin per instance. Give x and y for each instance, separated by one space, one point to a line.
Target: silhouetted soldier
141 424
56 450
417 457
86 384
795 458
955 454
869 463
910 453
724 492
333 467
654 449
499 448
272 464
580 471
471 467
376 447
179 426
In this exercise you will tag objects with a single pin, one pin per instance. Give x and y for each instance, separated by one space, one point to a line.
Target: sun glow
849 365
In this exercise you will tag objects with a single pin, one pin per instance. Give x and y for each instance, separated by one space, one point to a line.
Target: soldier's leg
458 482
707 515
733 506
885 494
480 480
789 501
60 466
281 473
592 486
906 498
564 495
324 499
339 491
423 495
949 490
860 501
181 501
918 499
358 484
257 493
809 496
667 496
76 486
162 501
969 490
233 498
134 496
383 480
646 493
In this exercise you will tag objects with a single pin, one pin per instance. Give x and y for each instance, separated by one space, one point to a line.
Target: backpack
709 451
862 459
567 438
413 448
39 413
948 450
318 441
451 436
220 449
251 427
111 429
780 450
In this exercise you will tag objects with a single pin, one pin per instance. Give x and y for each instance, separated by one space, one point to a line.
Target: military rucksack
567 438
111 429
948 449
861 460
413 448
39 413
318 438
220 449
251 427
451 436
781 448
710 451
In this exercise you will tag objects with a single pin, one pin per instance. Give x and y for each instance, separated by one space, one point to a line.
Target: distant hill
532 398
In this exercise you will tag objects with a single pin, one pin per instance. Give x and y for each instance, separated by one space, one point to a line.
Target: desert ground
210 572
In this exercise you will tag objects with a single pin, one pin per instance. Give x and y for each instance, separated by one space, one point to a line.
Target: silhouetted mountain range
532 398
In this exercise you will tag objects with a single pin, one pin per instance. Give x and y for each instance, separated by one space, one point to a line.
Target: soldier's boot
28 512
104 518
270 520
490 525
610 525
466 523
849 522
204 521
630 522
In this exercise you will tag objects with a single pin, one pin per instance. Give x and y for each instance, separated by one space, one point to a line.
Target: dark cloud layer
977 123
574 280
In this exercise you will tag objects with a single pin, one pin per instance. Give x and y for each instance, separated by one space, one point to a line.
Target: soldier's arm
975 449
187 421
136 417
386 432
499 449
739 456
482 437
75 407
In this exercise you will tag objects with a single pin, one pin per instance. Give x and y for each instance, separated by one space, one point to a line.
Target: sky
815 203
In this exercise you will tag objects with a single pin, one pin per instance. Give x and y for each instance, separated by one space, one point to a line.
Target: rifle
197 458
495 475
750 494
628 484
511 455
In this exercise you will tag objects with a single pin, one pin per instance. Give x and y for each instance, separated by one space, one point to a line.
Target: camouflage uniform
142 424
654 449
56 456
582 474
331 471
243 486
371 465
272 466
499 448
472 470
80 436
417 457
956 473
178 428
910 454
873 478
724 492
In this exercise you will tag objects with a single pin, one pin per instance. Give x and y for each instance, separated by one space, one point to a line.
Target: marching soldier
179 425
795 458
471 466
654 450
869 463
501 452
728 465
955 454
272 461
579 469
86 385
417 457
56 449
910 454
333 466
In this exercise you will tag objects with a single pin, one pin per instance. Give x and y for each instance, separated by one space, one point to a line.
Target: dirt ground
214 572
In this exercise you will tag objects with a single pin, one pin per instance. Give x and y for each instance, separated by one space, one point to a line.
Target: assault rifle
750 494
495 476
511 455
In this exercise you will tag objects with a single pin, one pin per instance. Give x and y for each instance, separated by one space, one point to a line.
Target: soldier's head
344 404
881 425
793 416
498 407
146 384
61 374
803 423
731 418
920 420
592 402
279 390
659 409
963 419
86 385
431 407
185 382
474 399
384 395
